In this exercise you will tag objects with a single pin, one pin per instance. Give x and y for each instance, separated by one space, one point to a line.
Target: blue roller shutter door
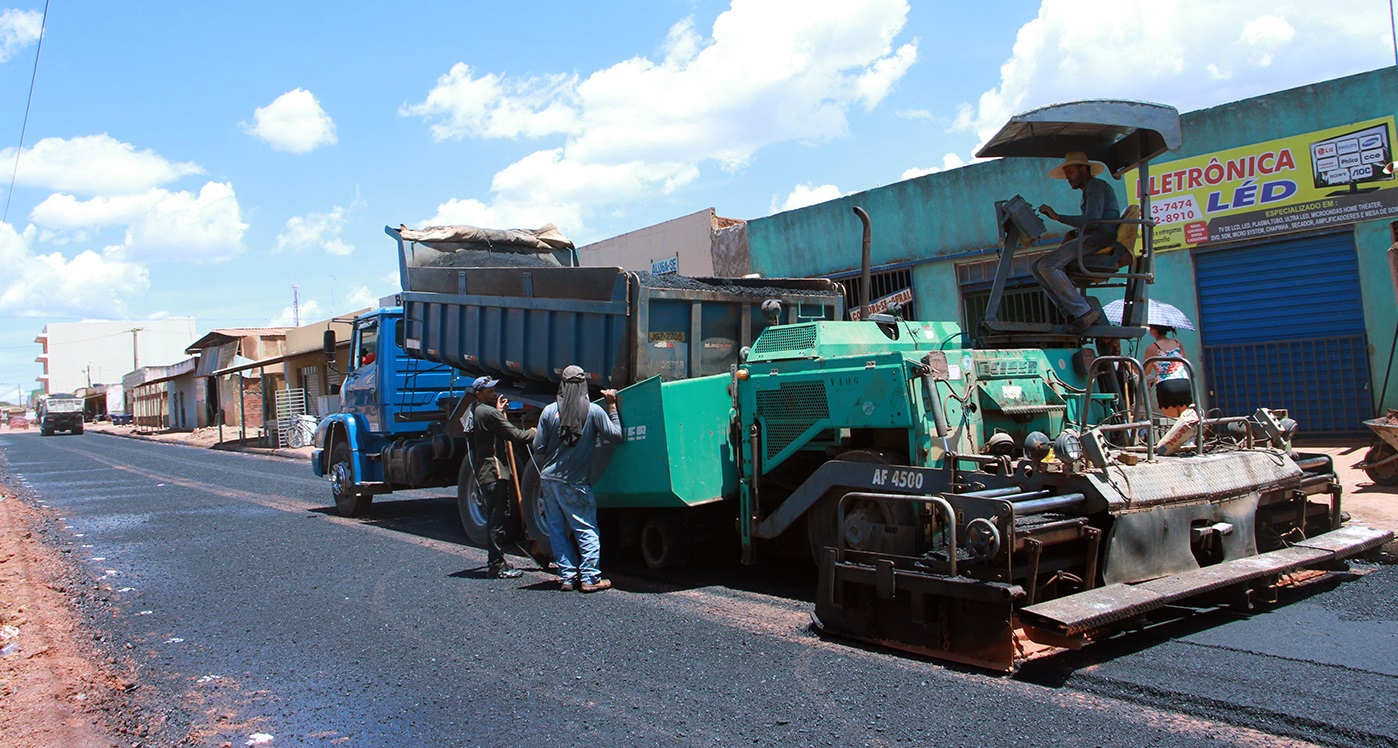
1283 327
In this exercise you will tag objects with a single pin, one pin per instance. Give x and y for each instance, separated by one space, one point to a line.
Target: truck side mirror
327 346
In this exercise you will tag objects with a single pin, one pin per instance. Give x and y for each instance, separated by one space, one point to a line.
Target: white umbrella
1157 313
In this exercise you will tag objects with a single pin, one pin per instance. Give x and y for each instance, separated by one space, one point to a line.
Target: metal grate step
1085 611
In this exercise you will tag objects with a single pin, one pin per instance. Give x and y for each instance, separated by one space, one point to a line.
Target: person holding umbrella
1158 372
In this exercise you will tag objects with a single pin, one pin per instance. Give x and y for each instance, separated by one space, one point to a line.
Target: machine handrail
1093 373
942 503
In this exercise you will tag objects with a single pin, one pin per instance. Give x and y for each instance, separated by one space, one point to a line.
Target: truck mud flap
1075 615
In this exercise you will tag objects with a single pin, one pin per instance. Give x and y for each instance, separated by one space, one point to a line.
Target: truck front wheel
349 502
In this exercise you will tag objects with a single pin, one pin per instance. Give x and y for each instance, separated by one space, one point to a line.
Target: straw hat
1079 158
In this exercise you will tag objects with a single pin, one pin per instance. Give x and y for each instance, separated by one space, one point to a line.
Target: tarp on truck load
451 238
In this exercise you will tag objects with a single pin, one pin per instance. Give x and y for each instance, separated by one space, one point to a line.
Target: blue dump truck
522 314
961 491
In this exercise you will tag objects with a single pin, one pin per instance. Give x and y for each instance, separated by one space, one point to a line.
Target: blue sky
202 158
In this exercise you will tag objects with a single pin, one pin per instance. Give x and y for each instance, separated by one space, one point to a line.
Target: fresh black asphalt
250 609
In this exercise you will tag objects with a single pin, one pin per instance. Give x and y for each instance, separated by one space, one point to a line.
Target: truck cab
394 428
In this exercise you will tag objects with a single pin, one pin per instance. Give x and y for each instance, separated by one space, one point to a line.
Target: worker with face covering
569 433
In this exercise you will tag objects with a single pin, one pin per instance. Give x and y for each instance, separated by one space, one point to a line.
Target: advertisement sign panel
1303 182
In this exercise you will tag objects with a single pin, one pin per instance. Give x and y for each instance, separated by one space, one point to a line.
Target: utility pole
135 349
296 304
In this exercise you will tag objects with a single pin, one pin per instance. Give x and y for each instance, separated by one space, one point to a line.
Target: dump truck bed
527 322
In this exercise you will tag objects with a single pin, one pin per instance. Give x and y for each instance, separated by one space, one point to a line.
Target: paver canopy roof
1121 134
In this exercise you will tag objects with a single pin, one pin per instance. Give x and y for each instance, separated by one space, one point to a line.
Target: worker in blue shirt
570 431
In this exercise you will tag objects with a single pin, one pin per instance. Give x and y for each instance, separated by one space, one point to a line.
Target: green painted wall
949 217
947 214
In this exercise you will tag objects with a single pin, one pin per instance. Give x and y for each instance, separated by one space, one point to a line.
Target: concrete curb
174 437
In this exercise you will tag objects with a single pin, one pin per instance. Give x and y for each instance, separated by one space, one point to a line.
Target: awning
242 363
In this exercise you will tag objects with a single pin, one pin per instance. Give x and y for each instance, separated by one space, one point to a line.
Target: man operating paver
1098 203
569 433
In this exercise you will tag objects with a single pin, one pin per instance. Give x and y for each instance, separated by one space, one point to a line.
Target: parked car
121 419
19 422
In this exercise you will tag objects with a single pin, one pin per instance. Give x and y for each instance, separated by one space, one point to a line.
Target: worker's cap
483 383
1079 158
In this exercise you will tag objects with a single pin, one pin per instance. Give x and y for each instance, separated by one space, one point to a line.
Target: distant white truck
60 412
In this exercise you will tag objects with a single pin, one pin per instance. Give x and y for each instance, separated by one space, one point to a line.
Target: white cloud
18 29
160 225
504 214
94 165
1265 35
317 231
91 284
360 297
1187 53
949 161
287 317
805 194
492 107
293 122
769 72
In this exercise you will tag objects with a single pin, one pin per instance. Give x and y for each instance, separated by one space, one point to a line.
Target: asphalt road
250 609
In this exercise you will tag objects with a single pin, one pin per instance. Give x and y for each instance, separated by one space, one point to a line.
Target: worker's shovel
540 558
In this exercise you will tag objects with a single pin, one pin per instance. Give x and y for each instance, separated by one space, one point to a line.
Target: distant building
85 354
166 397
307 368
698 245
237 372
1273 223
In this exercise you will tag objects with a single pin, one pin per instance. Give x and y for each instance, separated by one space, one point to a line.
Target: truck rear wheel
666 542
470 504
349 502
78 429
531 514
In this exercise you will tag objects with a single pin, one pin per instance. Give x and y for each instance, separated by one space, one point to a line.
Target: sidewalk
1366 501
207 437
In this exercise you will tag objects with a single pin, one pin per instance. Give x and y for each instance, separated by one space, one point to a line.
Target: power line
25 127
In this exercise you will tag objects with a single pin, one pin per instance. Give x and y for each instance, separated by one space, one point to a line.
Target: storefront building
1273 225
